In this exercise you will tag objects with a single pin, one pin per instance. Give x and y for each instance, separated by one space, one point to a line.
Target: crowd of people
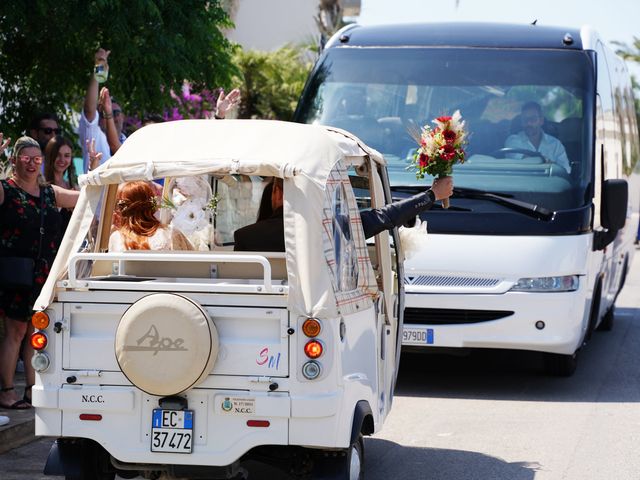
36 201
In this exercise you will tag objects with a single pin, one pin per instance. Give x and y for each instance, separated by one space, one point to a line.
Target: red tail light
91 416
313 349
38 340
258 423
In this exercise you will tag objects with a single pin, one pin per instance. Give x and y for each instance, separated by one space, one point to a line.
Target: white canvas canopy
301 154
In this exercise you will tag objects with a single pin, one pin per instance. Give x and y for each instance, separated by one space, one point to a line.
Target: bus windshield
529 114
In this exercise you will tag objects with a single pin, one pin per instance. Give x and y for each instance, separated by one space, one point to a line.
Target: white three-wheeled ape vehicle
186 364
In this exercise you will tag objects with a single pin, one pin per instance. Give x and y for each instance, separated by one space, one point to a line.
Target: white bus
534 249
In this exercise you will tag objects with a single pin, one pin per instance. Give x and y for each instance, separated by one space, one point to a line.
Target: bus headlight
566 283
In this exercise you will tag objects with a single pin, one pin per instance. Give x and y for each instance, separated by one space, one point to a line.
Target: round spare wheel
166 344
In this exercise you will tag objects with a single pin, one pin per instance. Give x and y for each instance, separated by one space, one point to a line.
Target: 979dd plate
172 431
418 336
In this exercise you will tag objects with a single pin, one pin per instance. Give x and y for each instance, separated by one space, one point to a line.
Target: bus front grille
449 281
449 316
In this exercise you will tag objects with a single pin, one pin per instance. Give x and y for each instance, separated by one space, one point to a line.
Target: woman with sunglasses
26 203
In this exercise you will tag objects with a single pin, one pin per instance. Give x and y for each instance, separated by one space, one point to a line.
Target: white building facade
268 25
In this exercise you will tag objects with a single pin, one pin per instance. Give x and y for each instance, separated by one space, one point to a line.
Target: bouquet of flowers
440 147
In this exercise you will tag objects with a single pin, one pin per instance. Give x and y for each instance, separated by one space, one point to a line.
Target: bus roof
458 34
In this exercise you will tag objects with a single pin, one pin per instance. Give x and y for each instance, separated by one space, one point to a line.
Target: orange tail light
40 320
311 327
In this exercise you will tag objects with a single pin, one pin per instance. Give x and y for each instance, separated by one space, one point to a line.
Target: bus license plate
417 336
172 431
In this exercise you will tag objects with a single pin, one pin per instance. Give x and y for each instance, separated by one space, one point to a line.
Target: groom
267 235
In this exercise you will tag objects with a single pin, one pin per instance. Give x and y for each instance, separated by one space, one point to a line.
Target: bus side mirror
613 212
613 209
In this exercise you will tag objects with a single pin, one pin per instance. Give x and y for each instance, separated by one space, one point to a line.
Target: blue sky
617 20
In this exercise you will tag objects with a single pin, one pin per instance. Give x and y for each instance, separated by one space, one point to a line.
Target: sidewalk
21 426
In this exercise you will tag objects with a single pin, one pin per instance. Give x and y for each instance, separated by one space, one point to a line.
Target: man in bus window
533 138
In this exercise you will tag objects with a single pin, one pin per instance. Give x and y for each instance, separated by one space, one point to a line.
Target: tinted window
381 94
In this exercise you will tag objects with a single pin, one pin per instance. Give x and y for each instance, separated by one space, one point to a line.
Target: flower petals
441 147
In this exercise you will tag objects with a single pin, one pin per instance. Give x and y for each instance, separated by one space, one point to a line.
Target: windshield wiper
530 209
421 188
535 211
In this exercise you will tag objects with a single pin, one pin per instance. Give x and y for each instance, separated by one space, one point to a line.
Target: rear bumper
221 435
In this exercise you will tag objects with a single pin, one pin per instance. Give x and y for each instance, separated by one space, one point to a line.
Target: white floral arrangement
192 205
413 239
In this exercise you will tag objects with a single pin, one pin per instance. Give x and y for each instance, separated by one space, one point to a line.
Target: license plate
417 336
172 431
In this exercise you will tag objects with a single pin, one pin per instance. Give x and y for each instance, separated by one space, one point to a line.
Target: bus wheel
560 365
606 325
348 466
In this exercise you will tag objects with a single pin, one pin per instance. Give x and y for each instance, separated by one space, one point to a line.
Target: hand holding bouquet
440 148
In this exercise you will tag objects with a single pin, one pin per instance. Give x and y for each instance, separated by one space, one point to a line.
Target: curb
22 425
18 432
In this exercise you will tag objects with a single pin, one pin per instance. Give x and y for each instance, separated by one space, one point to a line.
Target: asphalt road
495 415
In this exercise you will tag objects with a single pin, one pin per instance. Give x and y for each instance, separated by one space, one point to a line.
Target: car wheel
606 325
348 465
94 464
560 365
356 460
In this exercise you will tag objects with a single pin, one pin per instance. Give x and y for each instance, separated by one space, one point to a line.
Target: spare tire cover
166 344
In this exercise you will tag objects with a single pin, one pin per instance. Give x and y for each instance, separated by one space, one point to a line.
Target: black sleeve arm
395 214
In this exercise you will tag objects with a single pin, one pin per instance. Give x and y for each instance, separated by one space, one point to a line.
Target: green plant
47 49
271 82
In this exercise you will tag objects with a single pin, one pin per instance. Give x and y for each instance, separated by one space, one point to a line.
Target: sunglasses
27 158
49 130
117 113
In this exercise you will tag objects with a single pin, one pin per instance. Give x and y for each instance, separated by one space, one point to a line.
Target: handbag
17 273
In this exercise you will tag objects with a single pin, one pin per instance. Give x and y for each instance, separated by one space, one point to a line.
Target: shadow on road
602 375
385 459
417 463
382 458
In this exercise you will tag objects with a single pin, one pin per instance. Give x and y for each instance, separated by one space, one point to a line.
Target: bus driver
533 138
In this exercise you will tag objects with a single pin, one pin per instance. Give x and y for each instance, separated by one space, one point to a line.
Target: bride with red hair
137 226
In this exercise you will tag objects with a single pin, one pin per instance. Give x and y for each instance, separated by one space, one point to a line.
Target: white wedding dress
165 238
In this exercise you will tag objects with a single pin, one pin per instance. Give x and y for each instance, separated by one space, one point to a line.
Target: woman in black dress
20 206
